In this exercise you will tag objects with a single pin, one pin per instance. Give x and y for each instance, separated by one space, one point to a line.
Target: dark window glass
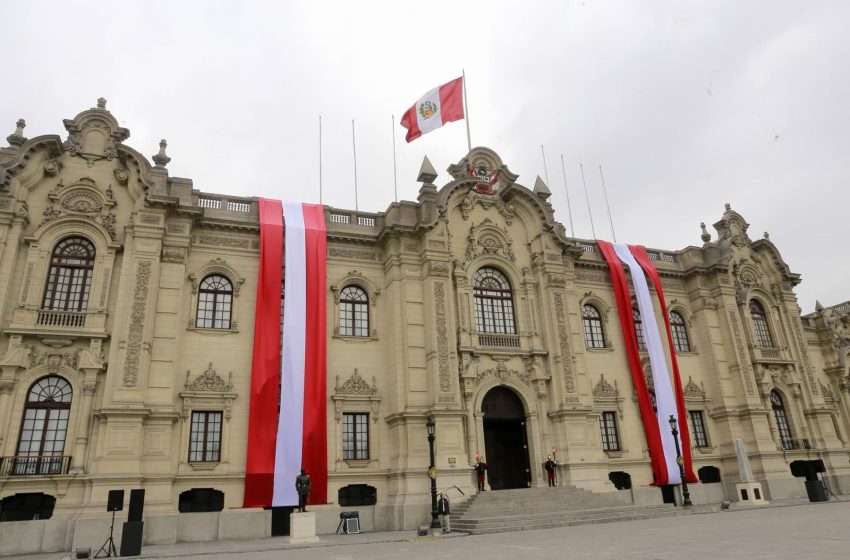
215 299
785 436
494 308
593 337
43 427
762 332
608 431
69 277
205 437
353 312
641 342
680 332
700 437
200 499
355 436
357 495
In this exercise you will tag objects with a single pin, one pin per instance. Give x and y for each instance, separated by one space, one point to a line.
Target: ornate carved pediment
489 239
356 385
94 134
209 381
82 199
605 390
694 391
502 373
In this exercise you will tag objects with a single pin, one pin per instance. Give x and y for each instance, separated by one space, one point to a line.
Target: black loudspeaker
137 505
131 538
115 501
819 466
799 468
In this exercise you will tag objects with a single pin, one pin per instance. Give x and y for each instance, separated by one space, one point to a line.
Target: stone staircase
542 508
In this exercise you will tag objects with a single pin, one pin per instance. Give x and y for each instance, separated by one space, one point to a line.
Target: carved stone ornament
356 385
606 390
693 391
489 239
563 341
210 381
442 337
502 373
53 360
83 200
137 324
7 387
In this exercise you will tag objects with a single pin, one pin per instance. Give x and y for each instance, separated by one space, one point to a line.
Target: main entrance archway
505 440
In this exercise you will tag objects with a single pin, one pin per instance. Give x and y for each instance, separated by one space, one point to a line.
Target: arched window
680 333
43 427
215 300
641 341
494 308
593 337
762 332
785 436
69 278
353 312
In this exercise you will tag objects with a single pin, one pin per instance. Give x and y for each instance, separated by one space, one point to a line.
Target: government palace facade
127 302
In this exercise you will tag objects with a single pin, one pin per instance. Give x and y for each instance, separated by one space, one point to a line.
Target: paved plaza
820 531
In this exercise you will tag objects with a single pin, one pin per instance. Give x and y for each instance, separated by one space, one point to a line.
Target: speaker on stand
114 502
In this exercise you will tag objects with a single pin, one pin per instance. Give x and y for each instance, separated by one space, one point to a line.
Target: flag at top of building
439 106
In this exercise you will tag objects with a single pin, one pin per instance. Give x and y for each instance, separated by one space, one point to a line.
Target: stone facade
138 364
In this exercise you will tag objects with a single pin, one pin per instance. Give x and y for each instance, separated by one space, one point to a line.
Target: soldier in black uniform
302 486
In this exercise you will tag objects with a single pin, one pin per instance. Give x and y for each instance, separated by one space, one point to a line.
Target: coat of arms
428 109
485 180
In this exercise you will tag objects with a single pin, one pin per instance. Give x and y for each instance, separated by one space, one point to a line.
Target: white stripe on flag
664 396
434 121
290 425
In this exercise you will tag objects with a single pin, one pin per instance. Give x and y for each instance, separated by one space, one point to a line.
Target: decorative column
90 364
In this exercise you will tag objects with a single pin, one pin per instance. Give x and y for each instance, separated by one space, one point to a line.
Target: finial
101 103
160 159
706 237
818 306
17 138
427 173
728 207
540 189
766 235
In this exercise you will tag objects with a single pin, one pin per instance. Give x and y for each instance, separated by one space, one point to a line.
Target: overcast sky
686 105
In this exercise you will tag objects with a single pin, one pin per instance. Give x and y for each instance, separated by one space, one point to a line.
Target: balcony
507 341
793 444
27 320
62 319
37 465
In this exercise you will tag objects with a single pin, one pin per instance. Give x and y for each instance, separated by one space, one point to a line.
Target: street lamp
431 426
686 496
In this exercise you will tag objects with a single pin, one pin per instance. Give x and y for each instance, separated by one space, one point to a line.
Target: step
572 514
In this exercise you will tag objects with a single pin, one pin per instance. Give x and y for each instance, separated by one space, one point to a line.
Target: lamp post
431 426
686 496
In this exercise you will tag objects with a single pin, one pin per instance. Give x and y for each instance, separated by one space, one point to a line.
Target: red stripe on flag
408 121
314 446
265 369
624 310
451 101
643 259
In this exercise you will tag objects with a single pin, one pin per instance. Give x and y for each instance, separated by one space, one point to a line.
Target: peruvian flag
287 421
669 398
439 106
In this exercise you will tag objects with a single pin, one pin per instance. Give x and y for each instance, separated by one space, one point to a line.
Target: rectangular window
608 431
355 436
205 437
698 425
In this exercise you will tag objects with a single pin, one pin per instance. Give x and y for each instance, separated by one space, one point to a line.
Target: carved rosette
564 341
137 324
442 337
7 387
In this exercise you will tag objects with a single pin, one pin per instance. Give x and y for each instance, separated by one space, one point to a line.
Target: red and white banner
669 397
289 372
439 106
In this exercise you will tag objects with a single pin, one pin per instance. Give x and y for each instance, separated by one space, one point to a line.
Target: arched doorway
505 440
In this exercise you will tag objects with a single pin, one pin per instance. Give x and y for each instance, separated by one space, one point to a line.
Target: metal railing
34 465
499 340
50 318
770 353
791 444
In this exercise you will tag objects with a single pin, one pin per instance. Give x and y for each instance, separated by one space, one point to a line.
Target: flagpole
466 113
607 205
567 190
320 159
395 170
354 147
587 197
545 169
